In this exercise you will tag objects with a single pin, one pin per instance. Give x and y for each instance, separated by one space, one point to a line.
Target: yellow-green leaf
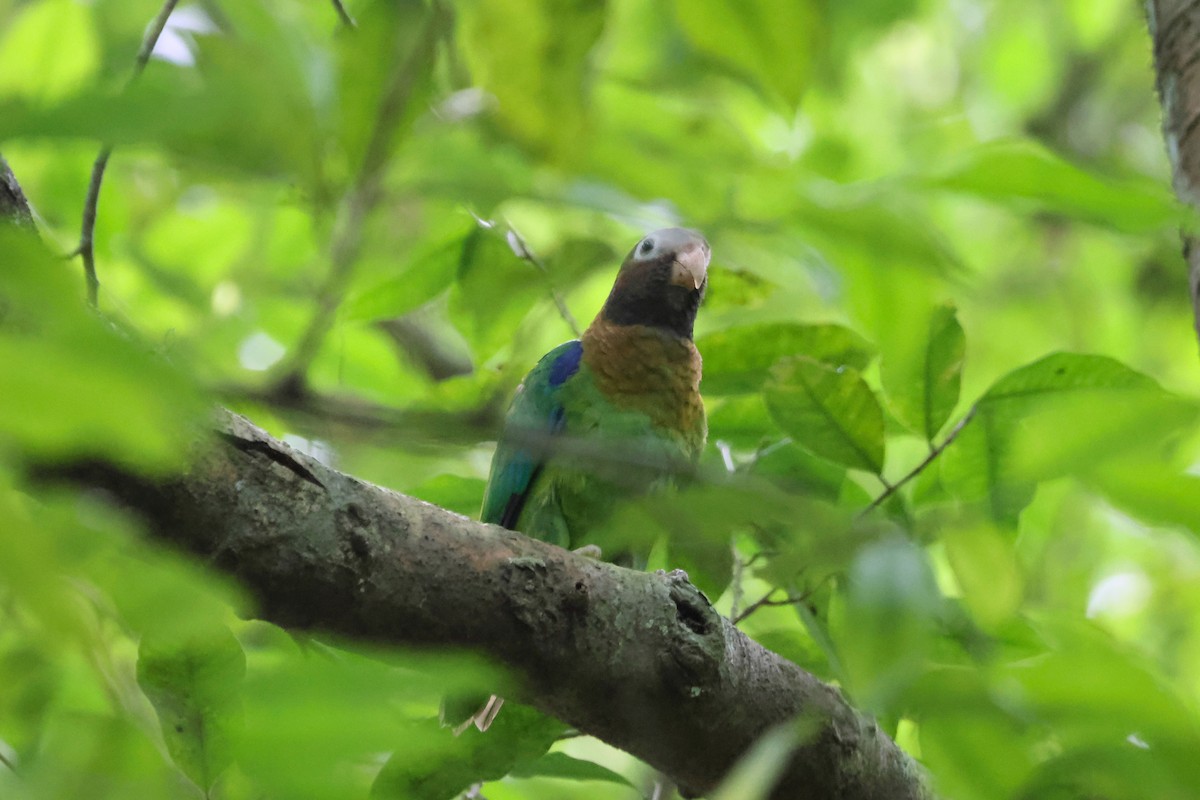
828 410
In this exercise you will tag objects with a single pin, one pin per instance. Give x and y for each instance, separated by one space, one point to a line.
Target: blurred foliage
950 369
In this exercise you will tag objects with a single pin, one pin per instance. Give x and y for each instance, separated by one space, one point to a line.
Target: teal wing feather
535 415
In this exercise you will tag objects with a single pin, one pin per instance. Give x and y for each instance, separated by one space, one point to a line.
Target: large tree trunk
1175 31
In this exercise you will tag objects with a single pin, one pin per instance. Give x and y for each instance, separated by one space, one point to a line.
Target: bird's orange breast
643 369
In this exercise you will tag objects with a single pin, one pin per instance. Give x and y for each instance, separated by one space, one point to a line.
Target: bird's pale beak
691 266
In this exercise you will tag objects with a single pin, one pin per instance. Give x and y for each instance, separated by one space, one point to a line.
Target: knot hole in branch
698 644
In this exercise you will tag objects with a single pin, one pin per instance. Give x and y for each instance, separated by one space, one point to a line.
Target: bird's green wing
536 415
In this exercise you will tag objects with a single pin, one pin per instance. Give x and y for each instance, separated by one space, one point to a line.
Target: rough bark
13 205
639 660
1175 32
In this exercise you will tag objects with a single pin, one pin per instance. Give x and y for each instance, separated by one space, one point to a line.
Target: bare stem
915 471
740 565
87 233
152 33
766 600
790 600
87 230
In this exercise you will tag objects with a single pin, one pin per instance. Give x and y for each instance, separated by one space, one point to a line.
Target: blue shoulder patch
536 410
567 364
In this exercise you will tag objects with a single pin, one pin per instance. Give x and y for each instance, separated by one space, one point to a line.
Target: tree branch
1175 32
767 601
891 489
87 228
639 660
13 205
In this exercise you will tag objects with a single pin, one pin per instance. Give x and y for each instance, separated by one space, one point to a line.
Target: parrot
611 415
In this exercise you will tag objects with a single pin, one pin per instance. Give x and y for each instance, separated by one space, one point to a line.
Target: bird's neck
647 369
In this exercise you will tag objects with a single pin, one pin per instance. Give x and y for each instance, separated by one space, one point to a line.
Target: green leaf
48 50
29 681
195 686
797 471
228 120
975 746
386 42
519 735
1026 175
741 421
924 387
1158 771
738 360
96 754
771 44
71 382
1080 431
1065 412
891 607
867 229
1062 372
534 57
830 411
756 772
1094 689
987 570
1151 490
494 289
561 765
310 715
428 273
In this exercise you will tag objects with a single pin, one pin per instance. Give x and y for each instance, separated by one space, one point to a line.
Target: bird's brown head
661 282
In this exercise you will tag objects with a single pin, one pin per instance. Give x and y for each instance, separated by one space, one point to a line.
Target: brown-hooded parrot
613 414
609 416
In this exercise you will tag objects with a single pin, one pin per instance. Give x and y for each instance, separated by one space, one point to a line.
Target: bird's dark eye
647 246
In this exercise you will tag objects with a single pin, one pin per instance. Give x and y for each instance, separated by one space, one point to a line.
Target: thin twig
88 227
915 471
522 251
740 565
152 33
344 15
363 196
766 600
790 600
87 232
754 559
